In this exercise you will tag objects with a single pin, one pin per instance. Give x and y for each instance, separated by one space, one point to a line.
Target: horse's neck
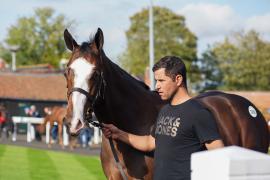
127 104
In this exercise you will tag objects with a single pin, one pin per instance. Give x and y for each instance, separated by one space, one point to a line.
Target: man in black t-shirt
180 131
183 126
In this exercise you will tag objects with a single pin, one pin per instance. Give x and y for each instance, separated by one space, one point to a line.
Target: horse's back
59 113
239 121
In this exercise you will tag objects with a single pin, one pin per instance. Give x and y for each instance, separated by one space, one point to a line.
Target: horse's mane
126 75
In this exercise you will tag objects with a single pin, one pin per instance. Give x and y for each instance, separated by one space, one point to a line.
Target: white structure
13 49
31 132
30 129
65 136
151 46
230 163
29 121
97 136
47 132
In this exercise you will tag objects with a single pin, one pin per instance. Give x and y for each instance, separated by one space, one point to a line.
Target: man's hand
142 143
110 131
214 144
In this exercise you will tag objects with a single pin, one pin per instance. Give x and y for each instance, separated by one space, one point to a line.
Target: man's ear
179 79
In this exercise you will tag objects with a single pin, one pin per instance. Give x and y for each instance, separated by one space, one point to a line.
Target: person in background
85 136
2 123
33 112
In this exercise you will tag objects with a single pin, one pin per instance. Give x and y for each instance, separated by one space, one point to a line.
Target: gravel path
94 150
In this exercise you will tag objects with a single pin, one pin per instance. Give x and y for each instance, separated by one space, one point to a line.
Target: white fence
230 163
31 132
30 129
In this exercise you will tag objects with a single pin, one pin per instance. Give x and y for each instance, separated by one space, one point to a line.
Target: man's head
170 74
47 110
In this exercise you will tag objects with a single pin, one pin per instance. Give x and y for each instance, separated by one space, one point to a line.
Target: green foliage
244 61
40 38
172 37
210 72
4 53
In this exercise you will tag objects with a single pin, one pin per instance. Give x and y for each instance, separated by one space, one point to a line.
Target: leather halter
92 98
80 90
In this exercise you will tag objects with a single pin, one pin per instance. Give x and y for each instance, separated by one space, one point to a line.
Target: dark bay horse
96 84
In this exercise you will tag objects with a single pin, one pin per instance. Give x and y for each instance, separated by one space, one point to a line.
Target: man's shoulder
196 104
199 110
196 107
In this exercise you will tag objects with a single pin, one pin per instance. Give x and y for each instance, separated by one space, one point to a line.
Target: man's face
165 86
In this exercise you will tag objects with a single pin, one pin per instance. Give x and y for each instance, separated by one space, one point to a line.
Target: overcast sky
210 20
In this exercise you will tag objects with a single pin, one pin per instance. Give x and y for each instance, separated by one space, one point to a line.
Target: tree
40 38
210 71
172 37
244 61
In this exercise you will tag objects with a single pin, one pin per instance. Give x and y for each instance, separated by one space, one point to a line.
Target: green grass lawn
20 163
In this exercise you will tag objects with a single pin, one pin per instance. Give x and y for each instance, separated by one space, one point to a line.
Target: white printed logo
252 111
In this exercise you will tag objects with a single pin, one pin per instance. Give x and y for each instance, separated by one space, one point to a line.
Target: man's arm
214 144
142 143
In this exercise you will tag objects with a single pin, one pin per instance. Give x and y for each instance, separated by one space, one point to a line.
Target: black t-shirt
180 131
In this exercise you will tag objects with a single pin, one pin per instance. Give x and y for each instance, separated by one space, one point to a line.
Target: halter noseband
80 90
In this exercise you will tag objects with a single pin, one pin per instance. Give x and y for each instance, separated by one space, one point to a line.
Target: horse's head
84 78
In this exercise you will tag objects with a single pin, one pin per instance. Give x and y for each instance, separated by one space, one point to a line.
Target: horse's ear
99 39
70 42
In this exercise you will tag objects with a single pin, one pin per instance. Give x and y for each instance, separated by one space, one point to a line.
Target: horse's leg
50 136
60 135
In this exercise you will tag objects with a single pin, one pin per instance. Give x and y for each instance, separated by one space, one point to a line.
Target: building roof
33 86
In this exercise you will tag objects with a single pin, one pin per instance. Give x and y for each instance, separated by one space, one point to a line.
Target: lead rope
116 159
118 164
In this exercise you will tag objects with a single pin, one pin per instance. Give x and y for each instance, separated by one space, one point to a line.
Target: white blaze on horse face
82 72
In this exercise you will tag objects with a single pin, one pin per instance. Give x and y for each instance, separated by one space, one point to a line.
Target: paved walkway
94 150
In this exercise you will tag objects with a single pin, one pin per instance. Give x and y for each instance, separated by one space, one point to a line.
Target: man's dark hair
173 66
